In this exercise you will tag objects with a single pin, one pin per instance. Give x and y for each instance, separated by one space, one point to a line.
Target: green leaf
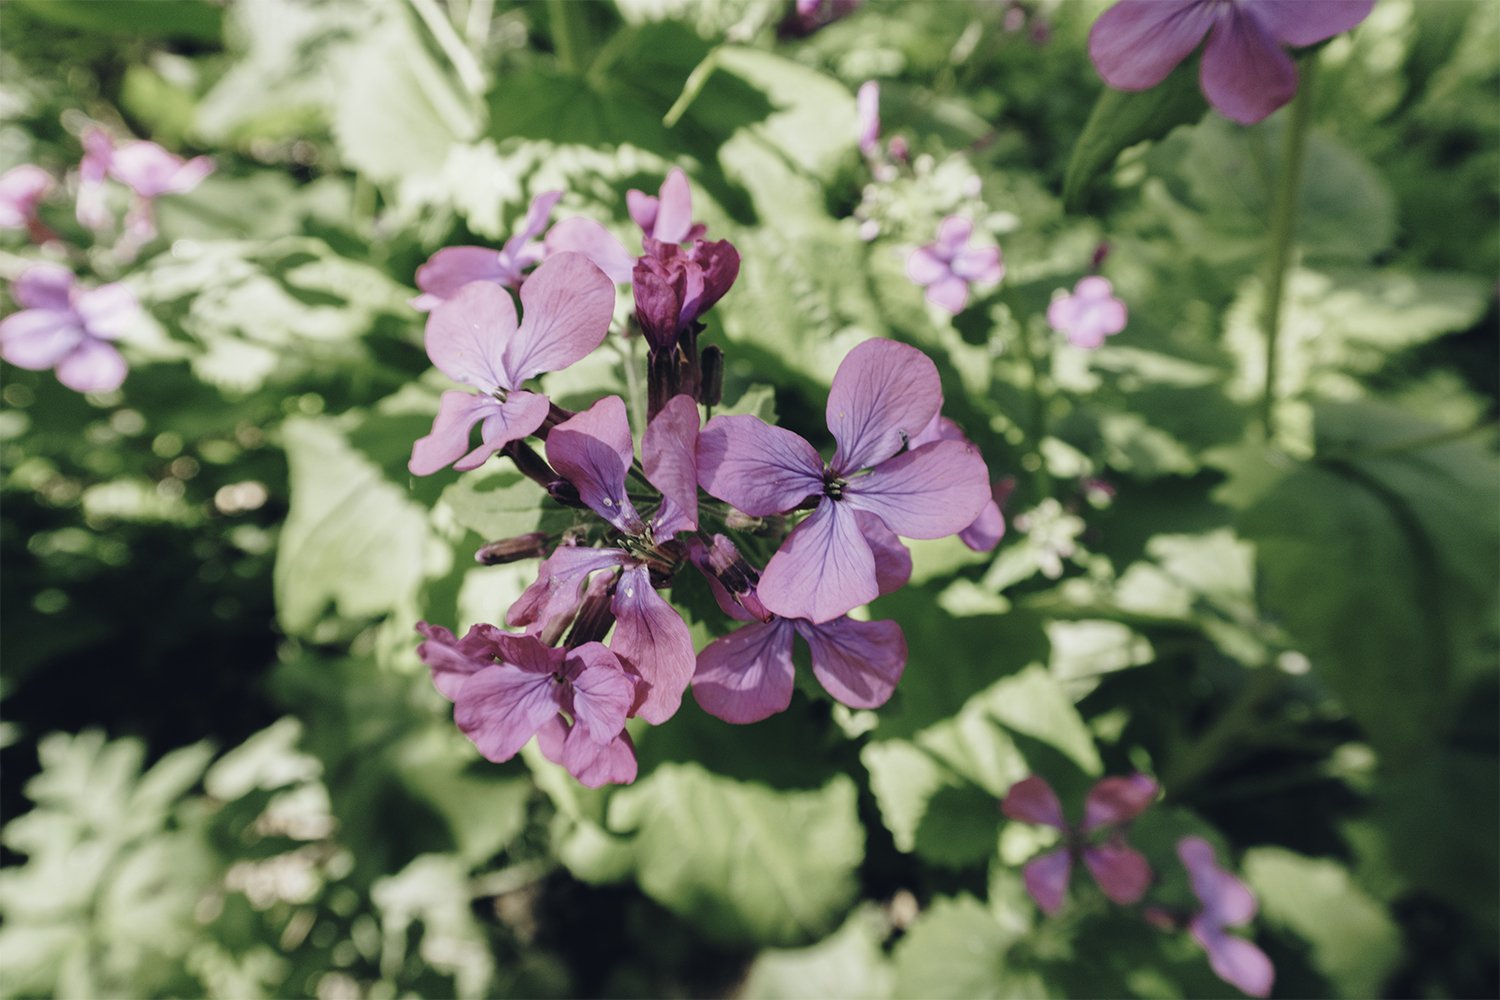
745 863
957 949
190 20
1355 944
352 539
846 965
1121 119
433 890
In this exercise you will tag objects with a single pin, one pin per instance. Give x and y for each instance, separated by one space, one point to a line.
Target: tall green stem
1284 232
1036 431
561 17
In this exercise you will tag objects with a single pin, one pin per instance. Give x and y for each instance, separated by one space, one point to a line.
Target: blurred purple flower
451 268
69 328
989 527
1121 871
1227 902
21 191
475 340
148 170
807 16
674 286
948 266
507 688
883 394
1090 314
1246 73
867 107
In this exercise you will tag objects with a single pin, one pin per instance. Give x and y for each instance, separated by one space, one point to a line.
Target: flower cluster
789 543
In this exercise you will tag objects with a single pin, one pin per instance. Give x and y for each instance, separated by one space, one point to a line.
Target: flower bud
564 493
532 545
711 389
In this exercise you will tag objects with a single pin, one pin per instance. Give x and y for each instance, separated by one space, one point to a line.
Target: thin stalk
1283 234
1036 431
635 392
560 17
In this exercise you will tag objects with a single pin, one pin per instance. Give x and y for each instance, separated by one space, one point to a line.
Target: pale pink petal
21 189
109 311
1245 74
587 237
37 339
642 208
760 469
1236 961
500 708
567 305
892 559
653 640
858 663
925 267
883 394
451 660
979 265
594 764
559 586
934 491
669 456
1307 22
1117 801
986 530
1121 871
1046 879
1226 900
867 114
1032 800
674 211
535 221
189 175
44 286
602 691
824 568
520 415
747 675
704 558
593 451
93 366
953 232
466 336
451 268
950 293
448 441
1137 43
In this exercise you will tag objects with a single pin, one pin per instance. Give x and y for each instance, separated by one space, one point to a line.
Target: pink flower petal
1116 801
593 450
925 267
746 676
883 394
602 691
1137 43
642 208
1120 870
1226 900
1236 961
451 268
950 293
892 559
1245 74
986 530
1046 878
44 286
568 304
37 339
520 415
669 456
21 189
109 311
934 491
448 441
1032 800
823 569
594 764
979 265
1307 22
587 237
452 660
467 335
93 366
867 113
535 221
760 469
559 586
953 232
858 663
674 211
653 640
501 707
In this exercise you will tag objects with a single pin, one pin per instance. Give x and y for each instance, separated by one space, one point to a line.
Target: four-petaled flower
148 170
474 339
451 268
1121 871
1089 314
64 326
1227 902
666 218
883 395
947 266
1245 72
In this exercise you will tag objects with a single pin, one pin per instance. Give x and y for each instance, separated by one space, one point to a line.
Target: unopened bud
530 464
662 380
564 493
532 545
595 615
711 386
1100 252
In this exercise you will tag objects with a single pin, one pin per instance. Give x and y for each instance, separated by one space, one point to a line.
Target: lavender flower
21 191
474 339
666 218
1246 73
867 107
68 328
882 395
1090 314
451 268
989 527
948 266
1227 902
148 170
673 286
1121 871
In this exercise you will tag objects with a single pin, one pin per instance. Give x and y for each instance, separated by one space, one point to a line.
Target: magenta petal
746 676
859 663
1226 900
934 491
93 366
824 568
720 264
535 221
44 286
602 691
674 210
703 558
451 268
892 559
669 455
760 469
37 339
950 293
653 640
559 585
1046 878
500 708
1307 22
867 114
953 232
594 764
1245 74
568 304
466 336
1236 961
882 395
1032 800
109 311
642 208
659 292
452 660
1116 801
1137 43
593 451
1120 870
587 237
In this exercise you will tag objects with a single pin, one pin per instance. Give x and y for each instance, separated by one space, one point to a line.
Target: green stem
635 392
561 18
1283 233
1191 763
1036 431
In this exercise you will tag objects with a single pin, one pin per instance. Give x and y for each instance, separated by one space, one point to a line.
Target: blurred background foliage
226 774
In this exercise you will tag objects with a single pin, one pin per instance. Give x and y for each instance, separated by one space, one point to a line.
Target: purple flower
1246 73
948 266
1121 871
148 170
989 527
867 108
747 675
674 286
883 395
507 688
474 339
666 218
451 268
21 191
69 328
1227 902
1089 315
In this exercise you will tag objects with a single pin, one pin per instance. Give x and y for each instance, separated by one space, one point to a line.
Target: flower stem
562 16
1284 232
1041 401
